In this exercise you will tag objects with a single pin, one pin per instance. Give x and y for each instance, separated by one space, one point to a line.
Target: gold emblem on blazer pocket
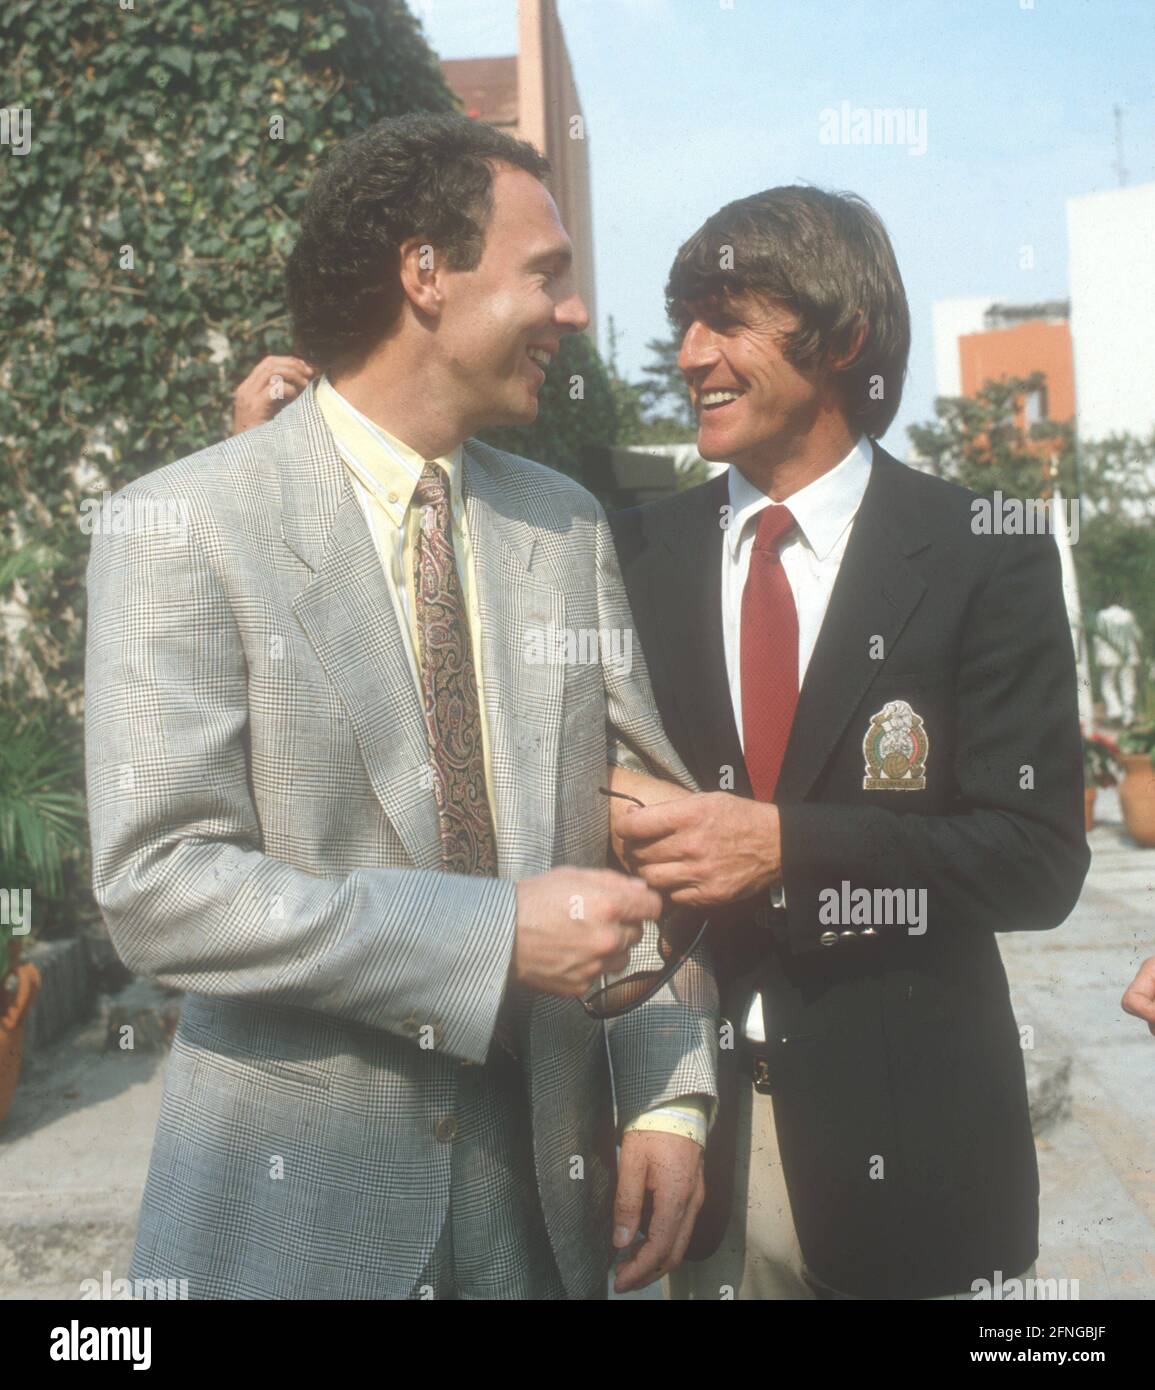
896 747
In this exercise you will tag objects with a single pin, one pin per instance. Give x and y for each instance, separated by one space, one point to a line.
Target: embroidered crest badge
895 748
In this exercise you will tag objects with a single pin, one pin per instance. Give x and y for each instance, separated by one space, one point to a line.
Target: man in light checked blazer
330 795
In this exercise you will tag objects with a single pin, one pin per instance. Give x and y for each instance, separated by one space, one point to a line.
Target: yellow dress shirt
384 472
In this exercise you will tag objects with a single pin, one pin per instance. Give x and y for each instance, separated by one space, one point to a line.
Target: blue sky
691 103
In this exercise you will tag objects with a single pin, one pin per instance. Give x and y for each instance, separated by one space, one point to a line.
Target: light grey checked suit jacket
264 837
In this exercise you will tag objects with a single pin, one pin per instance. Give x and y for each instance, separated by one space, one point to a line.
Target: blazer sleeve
1012 854
179 874
668 1048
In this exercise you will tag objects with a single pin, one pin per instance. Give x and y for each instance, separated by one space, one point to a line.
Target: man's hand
642 787
576 925
1140 996
704 850
670 1167
272 384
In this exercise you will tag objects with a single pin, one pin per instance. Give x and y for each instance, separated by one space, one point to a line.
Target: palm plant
42 822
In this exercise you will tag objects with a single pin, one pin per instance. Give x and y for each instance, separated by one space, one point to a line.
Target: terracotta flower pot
17 1002
1089 808
1137 796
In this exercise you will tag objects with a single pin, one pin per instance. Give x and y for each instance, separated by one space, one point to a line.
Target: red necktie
769 654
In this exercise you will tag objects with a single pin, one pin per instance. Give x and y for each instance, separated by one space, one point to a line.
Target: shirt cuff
689 1116
619 754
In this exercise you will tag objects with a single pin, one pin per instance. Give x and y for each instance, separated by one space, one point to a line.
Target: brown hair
827 258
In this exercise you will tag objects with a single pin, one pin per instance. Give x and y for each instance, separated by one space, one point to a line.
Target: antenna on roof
1120 168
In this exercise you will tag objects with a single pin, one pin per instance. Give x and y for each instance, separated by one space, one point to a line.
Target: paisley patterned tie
453 716
449 686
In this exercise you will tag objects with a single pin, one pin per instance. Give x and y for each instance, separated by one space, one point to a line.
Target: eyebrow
558 255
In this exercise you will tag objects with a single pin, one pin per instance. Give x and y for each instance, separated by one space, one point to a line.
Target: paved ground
74 1152
1097 1167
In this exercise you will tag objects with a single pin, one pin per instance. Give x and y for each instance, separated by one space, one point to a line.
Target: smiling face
502 322
754 407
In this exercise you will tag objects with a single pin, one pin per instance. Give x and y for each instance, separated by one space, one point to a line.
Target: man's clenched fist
576 925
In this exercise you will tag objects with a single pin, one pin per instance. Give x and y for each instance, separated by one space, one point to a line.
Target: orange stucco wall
1034 346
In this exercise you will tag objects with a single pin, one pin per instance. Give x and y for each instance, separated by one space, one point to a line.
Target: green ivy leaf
178 58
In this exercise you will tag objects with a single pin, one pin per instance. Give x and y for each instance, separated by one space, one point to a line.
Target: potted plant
1101 768
1137 790
19 986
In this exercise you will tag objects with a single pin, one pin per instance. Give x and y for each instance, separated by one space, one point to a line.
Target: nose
698 349
571 314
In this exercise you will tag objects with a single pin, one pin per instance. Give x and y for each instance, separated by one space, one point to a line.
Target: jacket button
868 931
828 938
850 936
446 1130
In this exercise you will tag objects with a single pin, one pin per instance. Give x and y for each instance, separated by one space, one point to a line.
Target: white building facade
1111 272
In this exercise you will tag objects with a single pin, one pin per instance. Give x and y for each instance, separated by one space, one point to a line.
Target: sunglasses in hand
679 931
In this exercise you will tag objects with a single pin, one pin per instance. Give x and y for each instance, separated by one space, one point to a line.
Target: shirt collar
823 509
386 465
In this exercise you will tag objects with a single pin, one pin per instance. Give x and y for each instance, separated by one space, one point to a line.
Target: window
1035 406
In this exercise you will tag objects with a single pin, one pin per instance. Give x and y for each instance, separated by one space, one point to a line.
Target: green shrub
577 408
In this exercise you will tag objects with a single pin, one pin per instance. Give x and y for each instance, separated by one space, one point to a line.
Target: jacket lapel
347 614
873 597
687 598
523 699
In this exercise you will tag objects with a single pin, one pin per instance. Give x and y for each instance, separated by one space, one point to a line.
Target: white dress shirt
811 557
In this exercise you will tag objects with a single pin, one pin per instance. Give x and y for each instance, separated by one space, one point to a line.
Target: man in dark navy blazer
877 696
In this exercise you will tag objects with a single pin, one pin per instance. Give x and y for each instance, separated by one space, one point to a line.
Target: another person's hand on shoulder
271 385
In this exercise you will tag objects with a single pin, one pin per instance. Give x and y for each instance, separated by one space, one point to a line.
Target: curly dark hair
415 175
826 257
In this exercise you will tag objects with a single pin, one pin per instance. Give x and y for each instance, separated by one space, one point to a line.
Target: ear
857 338
420 270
